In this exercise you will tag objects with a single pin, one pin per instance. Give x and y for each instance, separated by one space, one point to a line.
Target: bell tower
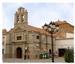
21 16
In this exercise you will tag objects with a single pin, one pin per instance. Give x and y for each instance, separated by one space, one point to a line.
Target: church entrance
19 52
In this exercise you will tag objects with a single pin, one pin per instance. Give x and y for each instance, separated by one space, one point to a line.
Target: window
2 51
17 18
37 37
19 37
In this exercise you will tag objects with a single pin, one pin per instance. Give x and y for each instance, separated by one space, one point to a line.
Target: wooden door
19 52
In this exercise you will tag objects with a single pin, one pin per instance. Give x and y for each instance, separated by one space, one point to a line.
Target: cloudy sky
38 13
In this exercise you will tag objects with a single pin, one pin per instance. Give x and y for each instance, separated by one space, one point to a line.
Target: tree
69 55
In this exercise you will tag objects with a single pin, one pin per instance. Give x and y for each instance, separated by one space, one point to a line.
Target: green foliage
41 56
44 56
69 55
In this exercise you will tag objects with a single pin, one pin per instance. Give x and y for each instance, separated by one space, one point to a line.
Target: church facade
27 42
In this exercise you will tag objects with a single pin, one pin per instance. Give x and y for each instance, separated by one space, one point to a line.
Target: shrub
41 56
44 56
47 56
69 55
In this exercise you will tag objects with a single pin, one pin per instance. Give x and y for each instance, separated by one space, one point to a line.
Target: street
59 59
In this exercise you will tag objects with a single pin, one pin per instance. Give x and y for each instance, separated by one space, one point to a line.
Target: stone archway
19 52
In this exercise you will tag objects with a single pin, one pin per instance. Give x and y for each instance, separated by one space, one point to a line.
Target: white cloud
41 13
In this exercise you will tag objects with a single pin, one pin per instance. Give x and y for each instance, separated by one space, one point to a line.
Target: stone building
64 38
27 42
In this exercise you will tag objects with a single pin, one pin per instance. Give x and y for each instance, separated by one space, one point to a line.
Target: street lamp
51 28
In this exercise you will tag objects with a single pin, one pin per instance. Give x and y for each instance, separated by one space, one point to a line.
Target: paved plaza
58 59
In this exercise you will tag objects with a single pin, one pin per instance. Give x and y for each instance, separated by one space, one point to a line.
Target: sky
38 13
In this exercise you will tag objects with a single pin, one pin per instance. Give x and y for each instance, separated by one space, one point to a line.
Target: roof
67 27
38 30
62 25
63 22
31 29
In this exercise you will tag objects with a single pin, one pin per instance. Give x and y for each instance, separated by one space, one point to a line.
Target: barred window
19 37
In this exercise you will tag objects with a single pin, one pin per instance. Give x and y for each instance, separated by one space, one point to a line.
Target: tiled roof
63 22
66 27
38 30
32 29
60 22
63 25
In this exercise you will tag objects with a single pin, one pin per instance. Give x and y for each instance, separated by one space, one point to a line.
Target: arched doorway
19 52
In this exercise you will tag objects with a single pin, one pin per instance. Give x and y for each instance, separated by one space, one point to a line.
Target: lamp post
51 28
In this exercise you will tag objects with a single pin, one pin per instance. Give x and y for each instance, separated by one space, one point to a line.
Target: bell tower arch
21 16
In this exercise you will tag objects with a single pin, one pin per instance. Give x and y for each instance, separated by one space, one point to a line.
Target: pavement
14 60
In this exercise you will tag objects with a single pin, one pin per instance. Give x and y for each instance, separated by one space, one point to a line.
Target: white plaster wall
69 35
64 43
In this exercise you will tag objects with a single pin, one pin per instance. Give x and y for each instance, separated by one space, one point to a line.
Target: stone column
13 51
25 17
23 51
